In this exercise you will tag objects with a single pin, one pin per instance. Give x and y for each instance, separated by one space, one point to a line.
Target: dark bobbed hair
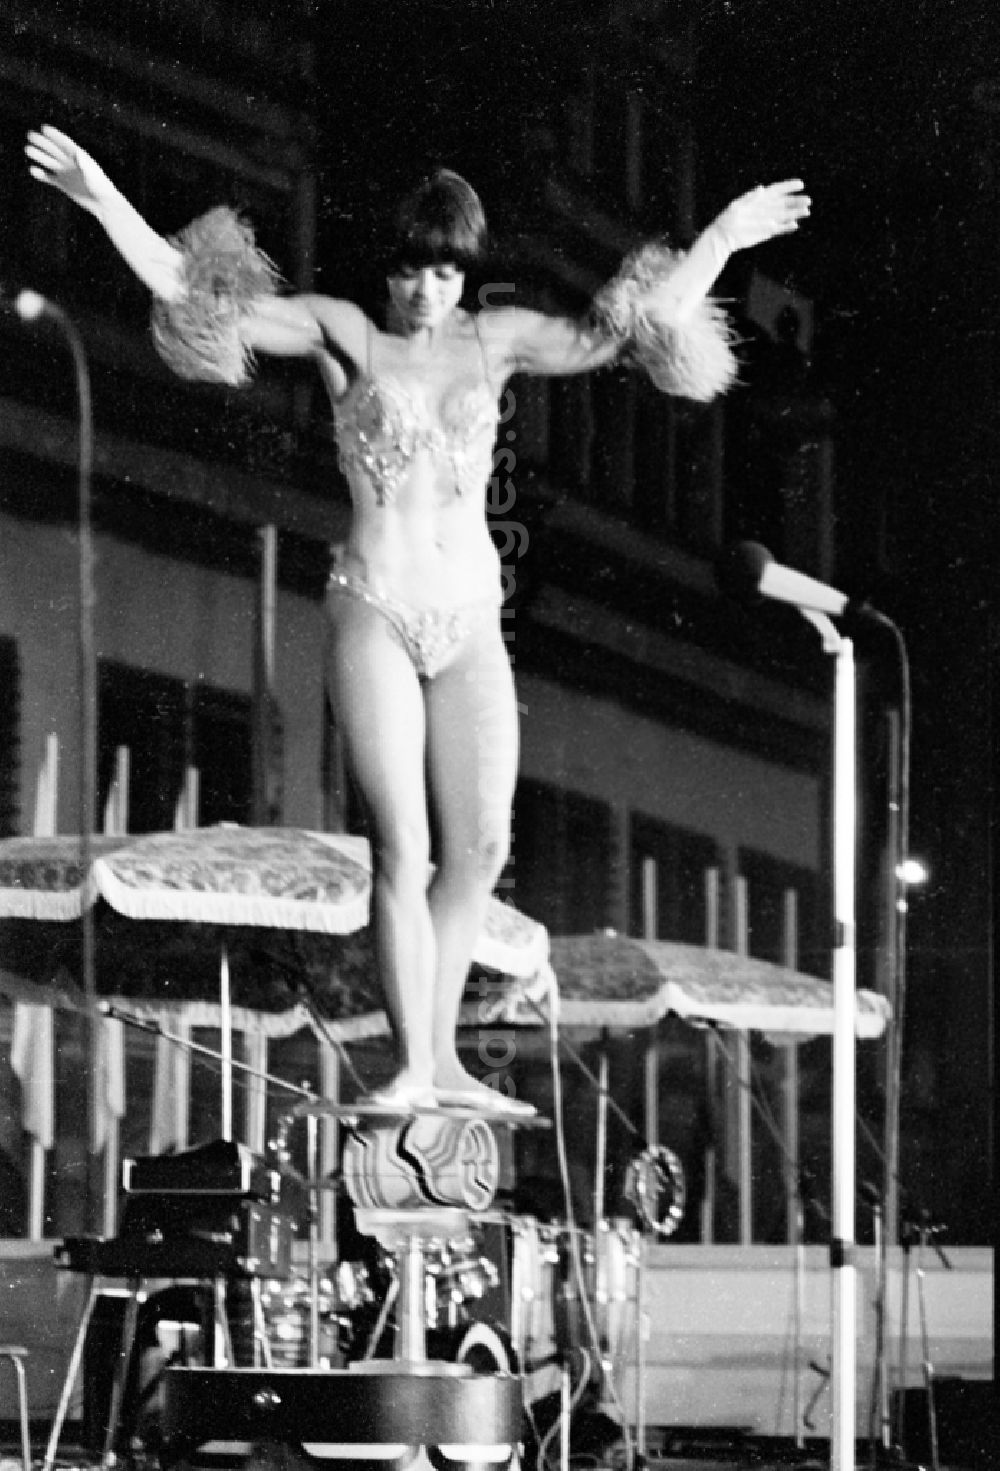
441 220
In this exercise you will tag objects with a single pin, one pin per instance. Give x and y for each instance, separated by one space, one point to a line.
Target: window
653 453
222 752
780 894
560 867
14 1145
68 1176
695 483
667 868
135 1125
664 168
629 449
609 127
169 725
10 712
612 467
571 430
790 1123
528 399
208 1086
779 451
146 713
578 120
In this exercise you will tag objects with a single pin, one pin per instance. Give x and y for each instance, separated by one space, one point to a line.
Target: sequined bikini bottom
430 636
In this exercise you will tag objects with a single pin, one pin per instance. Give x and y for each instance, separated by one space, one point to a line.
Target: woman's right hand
55 159
768 210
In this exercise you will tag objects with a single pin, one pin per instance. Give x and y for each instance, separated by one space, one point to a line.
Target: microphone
748 572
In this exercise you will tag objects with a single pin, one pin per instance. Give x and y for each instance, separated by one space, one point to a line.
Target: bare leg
379 708
472 766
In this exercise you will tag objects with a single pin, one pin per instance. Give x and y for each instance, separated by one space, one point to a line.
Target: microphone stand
879 1425
31 307
923 1233
843 1359
214 1054
887 1218
750 569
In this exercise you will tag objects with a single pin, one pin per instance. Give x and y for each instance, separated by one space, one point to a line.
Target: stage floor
746 1456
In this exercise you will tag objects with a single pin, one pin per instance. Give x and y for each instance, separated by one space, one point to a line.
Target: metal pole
226 1043
842 1244
742 1115
30 306
713 939
895 953
843 1268
640 1348
600 1151
879 1427
312 1175
904 1345
925 1349
795 1219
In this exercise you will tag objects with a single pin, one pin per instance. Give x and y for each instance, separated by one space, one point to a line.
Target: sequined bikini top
381 426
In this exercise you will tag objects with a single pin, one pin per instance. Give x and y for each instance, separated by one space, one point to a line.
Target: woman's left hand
769 210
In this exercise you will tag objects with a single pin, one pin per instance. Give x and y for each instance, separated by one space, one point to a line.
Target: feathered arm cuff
200 333
657 307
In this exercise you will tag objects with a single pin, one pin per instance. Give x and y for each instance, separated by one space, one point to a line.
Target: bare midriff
429 548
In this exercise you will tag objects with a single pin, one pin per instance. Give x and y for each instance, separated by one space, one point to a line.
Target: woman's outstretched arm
55 159
656 310
215 293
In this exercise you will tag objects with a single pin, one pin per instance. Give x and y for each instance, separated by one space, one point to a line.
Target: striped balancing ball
427 1160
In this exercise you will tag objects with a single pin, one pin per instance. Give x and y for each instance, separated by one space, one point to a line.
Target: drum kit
450 1319
509 1291
353 1302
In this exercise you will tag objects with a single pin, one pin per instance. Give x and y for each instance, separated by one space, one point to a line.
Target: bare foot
407 1090
451 1075
458 1089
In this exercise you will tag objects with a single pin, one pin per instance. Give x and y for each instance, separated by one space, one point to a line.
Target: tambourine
656 1189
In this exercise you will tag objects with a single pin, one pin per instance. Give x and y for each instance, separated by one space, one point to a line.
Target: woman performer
417 670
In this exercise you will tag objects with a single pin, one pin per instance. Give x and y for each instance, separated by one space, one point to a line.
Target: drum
343 1290
353 1285
616 1286
573 1279
460 1275
485 1347
559 1273
534 1260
